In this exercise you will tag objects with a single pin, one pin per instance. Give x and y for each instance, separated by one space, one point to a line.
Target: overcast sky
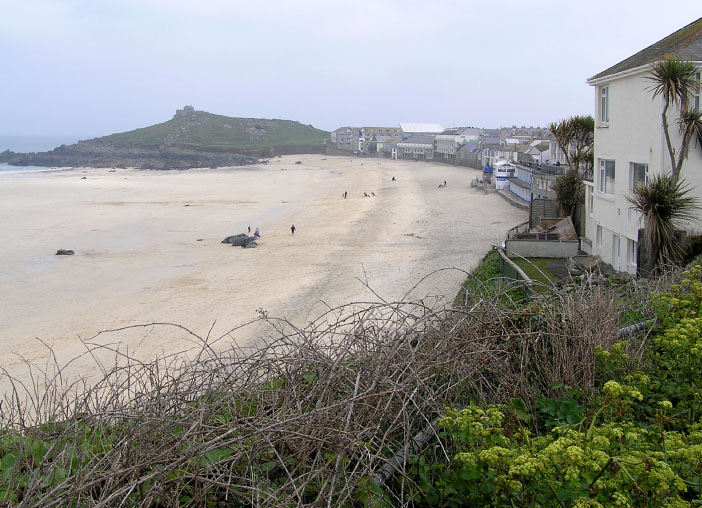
94 67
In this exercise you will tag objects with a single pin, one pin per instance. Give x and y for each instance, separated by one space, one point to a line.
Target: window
637 176
599 236
606 176
591 201
604 104
633 252
696 94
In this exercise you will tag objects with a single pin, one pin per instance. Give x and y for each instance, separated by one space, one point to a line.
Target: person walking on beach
249 229
292 229
256 233
345 194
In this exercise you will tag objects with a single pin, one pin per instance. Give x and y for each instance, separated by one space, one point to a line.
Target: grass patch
537 270
486 281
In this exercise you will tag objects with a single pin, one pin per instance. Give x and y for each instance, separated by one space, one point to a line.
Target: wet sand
148 249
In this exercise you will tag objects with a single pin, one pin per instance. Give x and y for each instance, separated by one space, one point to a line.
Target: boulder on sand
64 252
241 240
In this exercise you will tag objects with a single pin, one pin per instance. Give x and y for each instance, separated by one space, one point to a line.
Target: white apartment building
449 141
630 147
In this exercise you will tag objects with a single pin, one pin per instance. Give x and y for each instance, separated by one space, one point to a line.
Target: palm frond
569 190
666 207
674 80
690 124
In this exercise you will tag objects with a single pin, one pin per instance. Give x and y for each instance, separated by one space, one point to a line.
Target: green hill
202 129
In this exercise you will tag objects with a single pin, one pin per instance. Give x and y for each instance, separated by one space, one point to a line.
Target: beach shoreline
148 249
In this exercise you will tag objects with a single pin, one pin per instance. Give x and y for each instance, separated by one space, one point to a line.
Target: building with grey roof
417 147
685 44
630 146
448 142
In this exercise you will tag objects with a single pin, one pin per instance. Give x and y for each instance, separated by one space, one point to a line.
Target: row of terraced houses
629 147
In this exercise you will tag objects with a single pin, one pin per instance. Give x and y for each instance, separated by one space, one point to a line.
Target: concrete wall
541 248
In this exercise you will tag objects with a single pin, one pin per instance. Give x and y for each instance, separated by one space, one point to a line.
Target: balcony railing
518 230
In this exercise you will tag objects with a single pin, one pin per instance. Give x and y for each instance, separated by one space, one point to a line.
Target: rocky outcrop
100 154
64 252
241 240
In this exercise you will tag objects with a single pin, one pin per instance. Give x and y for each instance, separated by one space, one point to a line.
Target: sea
26 144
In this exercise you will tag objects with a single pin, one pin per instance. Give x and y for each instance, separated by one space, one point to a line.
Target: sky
95 67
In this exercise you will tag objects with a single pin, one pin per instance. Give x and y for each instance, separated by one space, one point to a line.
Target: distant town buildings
629 147
468 146
417 147
364 140
450 140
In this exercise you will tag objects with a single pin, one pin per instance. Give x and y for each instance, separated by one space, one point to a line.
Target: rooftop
685 44
421 127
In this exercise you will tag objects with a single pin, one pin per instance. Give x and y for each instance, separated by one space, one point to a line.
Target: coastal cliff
191 139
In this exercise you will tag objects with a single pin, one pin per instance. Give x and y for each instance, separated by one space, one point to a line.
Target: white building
630 146
449 141
540 151
555 152
420 128
502 171
516 140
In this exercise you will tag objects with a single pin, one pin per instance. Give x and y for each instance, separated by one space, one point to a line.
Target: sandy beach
148 249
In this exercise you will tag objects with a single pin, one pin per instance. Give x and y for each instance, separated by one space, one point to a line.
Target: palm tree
690 124
674 80
569 191
665 206
575 137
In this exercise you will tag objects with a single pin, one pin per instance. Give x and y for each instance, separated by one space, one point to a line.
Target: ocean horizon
44 143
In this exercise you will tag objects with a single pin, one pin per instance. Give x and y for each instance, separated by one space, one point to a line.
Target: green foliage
612 364
675 355
683 300
569 189
486 281
666 207
674 81
560 411
499 463
637 443
575 137
537 269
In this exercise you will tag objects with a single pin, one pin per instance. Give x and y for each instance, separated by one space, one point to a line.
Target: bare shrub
306 419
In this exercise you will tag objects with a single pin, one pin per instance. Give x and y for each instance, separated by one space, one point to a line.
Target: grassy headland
202 129
191 139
